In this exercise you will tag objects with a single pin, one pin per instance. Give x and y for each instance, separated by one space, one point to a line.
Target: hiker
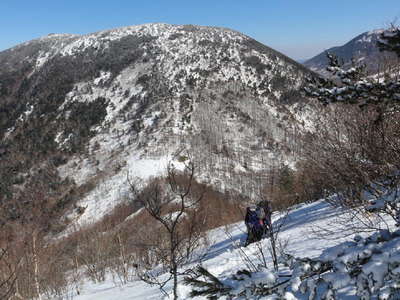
254 224
265 206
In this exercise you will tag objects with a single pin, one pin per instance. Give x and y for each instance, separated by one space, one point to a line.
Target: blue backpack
252 217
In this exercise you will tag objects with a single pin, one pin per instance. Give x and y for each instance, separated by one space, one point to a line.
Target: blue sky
298 28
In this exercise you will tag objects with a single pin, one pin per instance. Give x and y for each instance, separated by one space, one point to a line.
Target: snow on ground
225 257
116 188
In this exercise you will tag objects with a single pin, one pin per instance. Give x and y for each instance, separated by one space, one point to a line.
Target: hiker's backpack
260 213
252 216
266 208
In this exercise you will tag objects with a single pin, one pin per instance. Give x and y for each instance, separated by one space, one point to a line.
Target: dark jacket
251 219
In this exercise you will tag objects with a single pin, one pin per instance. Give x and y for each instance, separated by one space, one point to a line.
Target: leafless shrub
178 226
356 153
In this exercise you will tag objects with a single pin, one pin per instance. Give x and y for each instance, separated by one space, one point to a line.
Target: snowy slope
301 230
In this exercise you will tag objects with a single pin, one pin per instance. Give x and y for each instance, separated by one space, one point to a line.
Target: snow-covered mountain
94 108
363 49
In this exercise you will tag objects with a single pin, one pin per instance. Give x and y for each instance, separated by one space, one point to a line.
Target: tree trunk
17 295
123 259
36 267
273 248
175 274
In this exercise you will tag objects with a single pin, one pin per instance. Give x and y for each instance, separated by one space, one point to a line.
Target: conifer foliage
390 40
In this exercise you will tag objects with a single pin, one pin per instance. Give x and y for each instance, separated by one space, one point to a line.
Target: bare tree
8 276
277 246
177 231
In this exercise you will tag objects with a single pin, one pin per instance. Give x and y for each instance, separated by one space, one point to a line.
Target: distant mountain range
301 60
362 49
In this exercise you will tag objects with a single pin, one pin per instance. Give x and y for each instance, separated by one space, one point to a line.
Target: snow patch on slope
116 188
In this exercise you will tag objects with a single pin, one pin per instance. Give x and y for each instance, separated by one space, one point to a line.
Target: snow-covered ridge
370 36
70 44
376 31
